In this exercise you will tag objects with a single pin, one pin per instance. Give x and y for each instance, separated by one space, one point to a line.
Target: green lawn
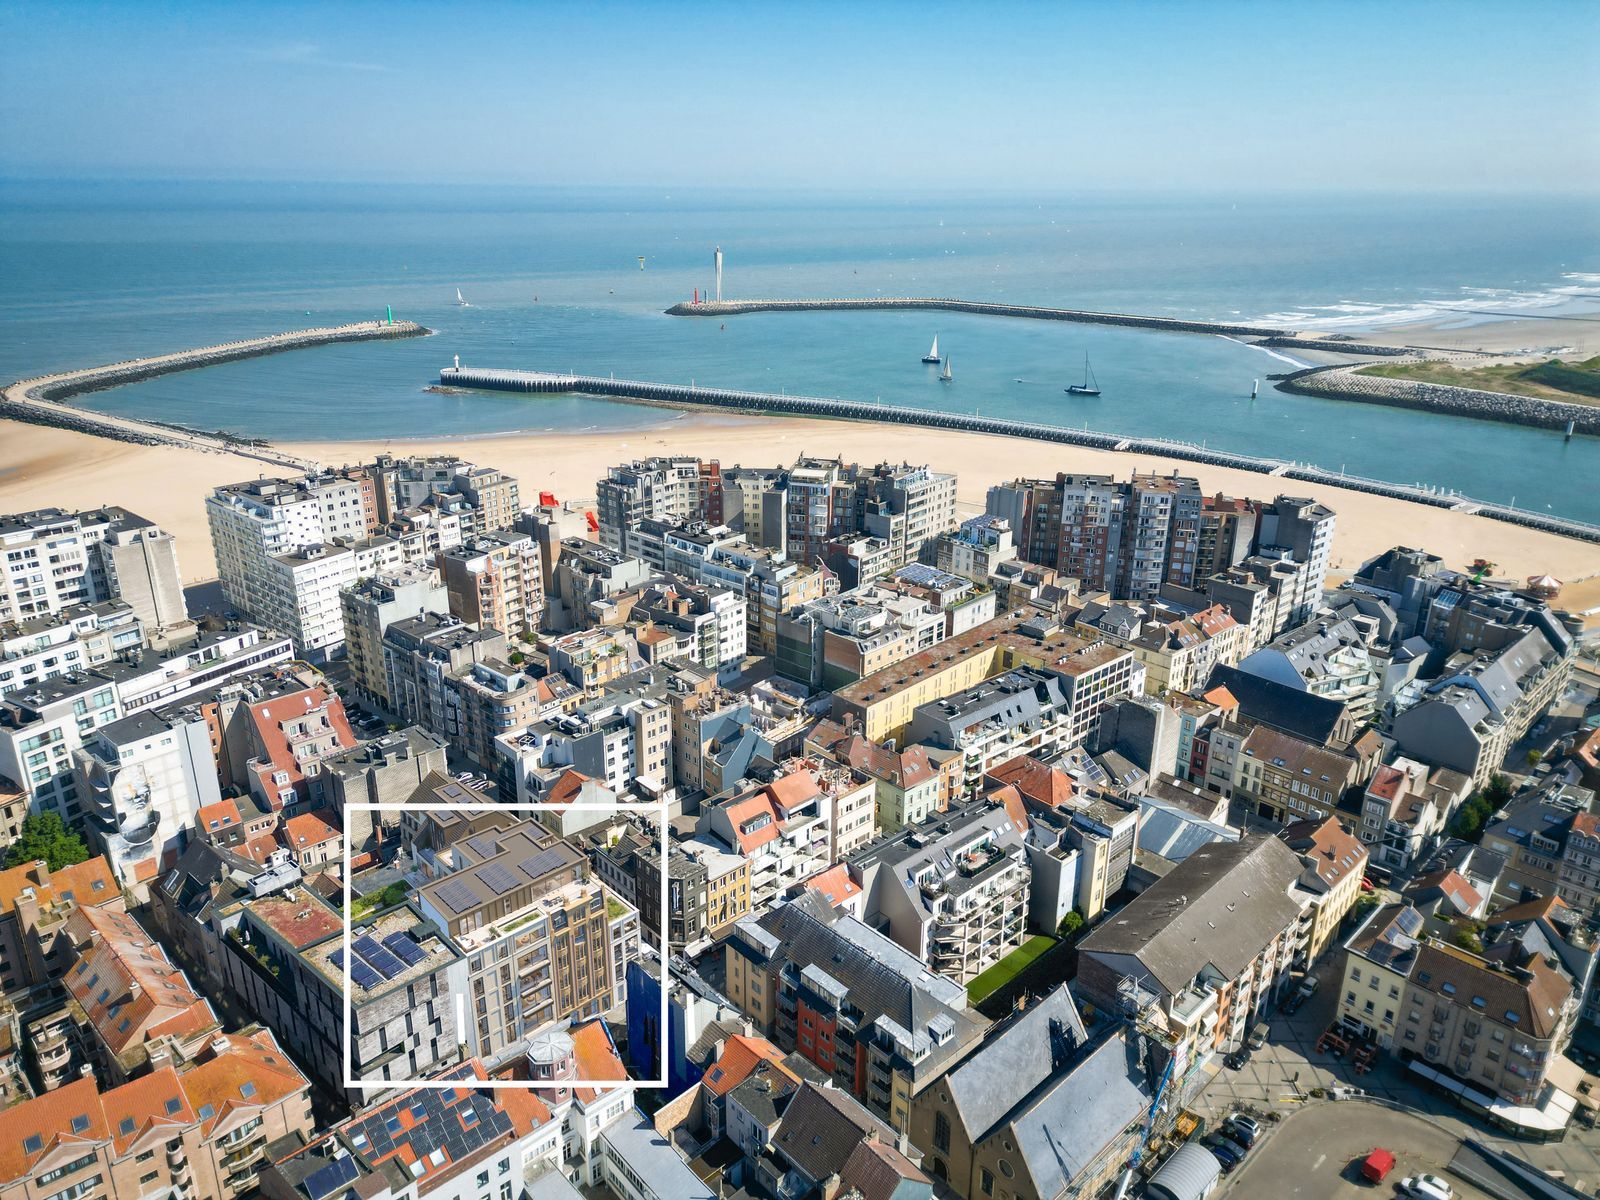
1575 383
1008 968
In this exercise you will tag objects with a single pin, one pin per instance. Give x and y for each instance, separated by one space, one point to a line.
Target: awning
1550 1117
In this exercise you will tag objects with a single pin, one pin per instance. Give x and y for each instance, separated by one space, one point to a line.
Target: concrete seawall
731 308
1344 383
39 400
677 395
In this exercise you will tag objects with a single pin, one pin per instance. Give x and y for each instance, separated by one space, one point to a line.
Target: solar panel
500 879
457 895
537 865
364 975
326 1180
406 948
379 959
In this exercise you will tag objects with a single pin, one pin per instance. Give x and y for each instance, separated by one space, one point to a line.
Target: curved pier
730 308
38 400
680 396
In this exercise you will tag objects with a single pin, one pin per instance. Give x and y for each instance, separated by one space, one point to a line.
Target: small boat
932 356
461 301
946 377
1090 385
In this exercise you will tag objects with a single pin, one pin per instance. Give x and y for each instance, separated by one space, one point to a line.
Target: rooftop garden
1008 968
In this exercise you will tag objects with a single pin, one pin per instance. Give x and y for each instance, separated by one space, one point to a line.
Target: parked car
1426 1187
1238 1058
1232 1145
1259 1035
1226 1158
1248 1126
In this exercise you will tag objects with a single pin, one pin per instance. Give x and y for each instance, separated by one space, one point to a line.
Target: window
941 1132
986 1181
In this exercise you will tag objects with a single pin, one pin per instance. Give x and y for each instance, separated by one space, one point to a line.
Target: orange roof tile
596 1057
139 1105
251 1073
835 884
87 883
741 1054
51 1118
309 829
214 818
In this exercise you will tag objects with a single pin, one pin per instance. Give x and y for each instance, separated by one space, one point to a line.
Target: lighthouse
716 260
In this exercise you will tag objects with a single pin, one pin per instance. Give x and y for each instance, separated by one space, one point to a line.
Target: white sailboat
932 356
947 376
461 301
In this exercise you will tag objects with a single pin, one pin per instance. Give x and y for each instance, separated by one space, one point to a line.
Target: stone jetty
39 401
1346 383
730 308
694 396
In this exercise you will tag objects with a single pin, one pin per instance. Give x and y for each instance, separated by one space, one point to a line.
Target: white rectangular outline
658 809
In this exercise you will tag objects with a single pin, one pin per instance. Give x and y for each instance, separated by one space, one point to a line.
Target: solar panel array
363 974
324 1181
441 1125
406 948
380 960
457 895
500 879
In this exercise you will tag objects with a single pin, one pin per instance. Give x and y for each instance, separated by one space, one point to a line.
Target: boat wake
1267 350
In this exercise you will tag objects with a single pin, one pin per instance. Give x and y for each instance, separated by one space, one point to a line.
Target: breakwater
39 401
730 308
1346 383
693 396
1336 346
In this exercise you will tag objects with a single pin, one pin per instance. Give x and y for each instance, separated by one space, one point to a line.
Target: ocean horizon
98 272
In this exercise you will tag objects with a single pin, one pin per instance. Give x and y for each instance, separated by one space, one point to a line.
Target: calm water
92 274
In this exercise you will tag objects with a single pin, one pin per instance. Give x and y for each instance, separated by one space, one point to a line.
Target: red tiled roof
835 884
50 1117
568 787
213 818
1014 806
596 1057
742 812
252 1065
78 881
1038 781
270 716
309 829
125 985
741 1055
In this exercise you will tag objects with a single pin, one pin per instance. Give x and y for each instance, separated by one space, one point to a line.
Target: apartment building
141 781
43 727
487 498
446 1143
1178 652
708 623
953 890
1210 944
77 638
35 906
580 587
853 1003
976 547
52 560
282 957
1335 862
533 930
660 487
1300 530
882 704
621 739
1548 840
1329 658
1025 711
1379 957
783 829
370 608
1482 703
200 1128
1406 809
495 581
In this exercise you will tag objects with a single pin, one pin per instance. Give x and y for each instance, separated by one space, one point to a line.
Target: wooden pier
694 396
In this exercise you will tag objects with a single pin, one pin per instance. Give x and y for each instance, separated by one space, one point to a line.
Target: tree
45 836
1467 940
1070 924
1534 758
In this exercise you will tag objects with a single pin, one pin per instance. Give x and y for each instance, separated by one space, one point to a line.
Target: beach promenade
693 396
39 400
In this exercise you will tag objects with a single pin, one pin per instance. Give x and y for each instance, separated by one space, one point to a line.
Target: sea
574 280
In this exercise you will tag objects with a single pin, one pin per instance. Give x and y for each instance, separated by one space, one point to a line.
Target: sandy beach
40 467
1570 337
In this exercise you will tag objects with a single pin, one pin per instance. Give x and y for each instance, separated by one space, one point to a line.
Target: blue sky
1174 96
